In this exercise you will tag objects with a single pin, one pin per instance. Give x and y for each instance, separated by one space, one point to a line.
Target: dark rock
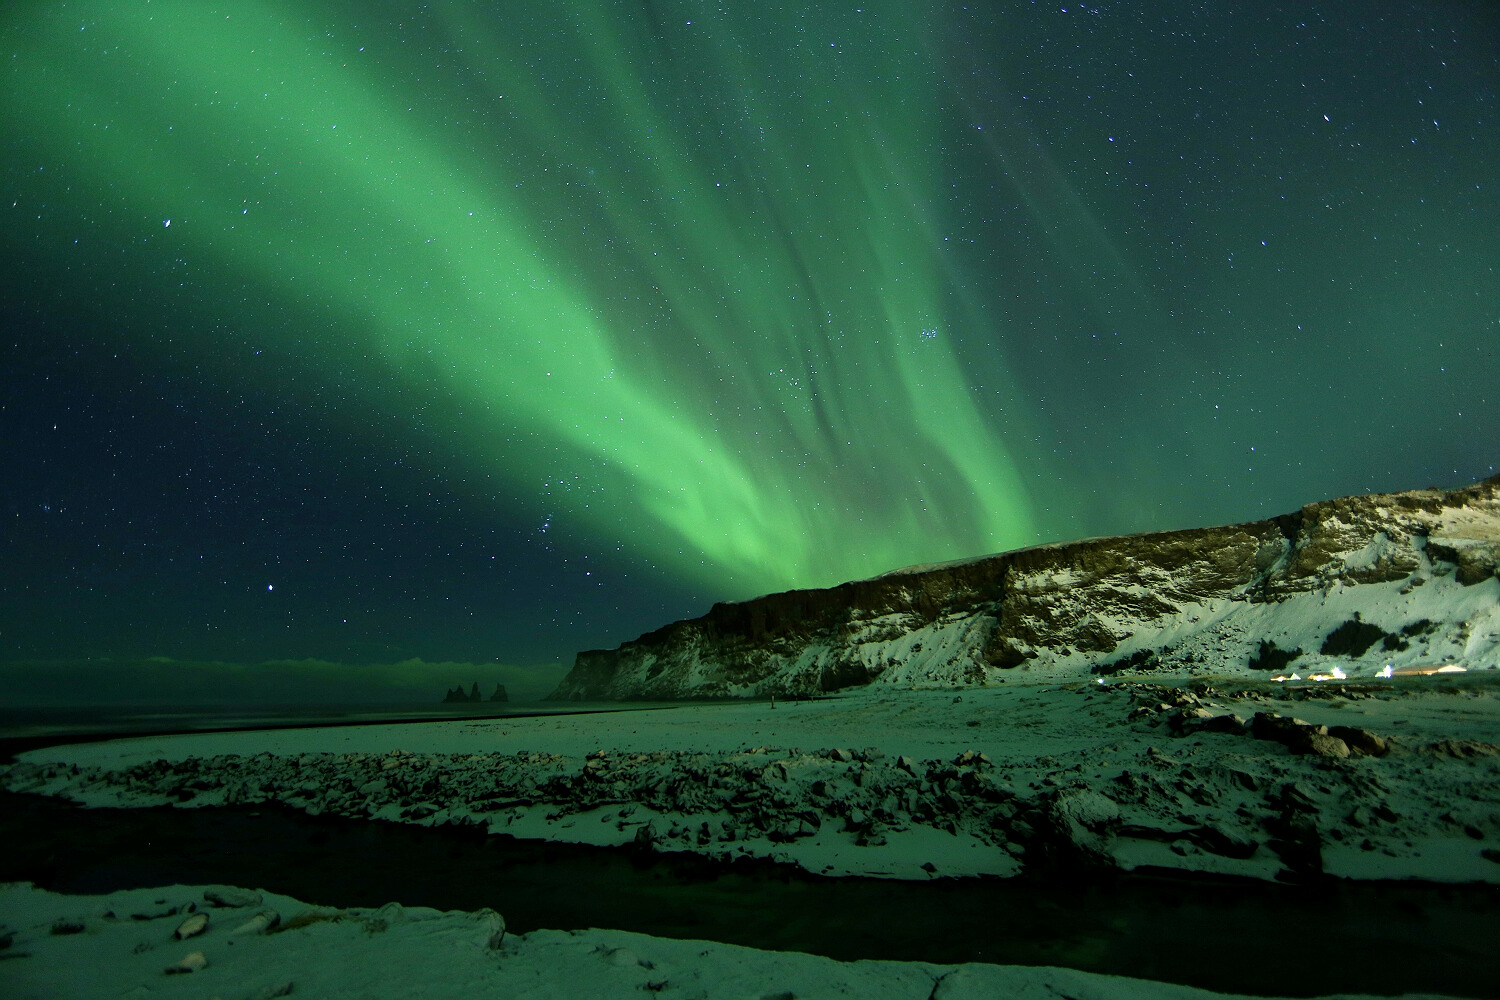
457 696
1472 562
1140 660
1297 843
1275 726
1297 736
232 897
1269 657
499 694
1006 653
1079 824
1204 837
1353 638
1360 741
1189 718
1321 744
1223 724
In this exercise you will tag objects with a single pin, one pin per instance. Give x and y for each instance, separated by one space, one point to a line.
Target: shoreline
1170 825
11 747
1186 928
989 782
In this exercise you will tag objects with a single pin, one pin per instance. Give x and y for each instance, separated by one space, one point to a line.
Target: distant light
270 586
164 225
1428 671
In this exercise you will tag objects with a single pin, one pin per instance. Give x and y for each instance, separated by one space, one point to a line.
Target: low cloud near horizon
165 681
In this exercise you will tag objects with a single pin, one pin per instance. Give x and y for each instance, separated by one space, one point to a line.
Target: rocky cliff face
1410 577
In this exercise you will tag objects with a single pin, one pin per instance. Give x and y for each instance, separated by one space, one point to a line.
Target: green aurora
703 310
375 332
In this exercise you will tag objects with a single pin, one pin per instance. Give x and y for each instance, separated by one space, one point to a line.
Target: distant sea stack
457 696
1412 575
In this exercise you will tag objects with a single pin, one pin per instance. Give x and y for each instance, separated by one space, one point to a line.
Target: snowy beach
984 781
1049 781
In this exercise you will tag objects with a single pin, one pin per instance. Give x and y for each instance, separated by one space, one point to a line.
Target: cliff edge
1370 584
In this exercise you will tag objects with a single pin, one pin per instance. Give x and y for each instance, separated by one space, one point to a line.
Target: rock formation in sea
457 696
499 694
1358 585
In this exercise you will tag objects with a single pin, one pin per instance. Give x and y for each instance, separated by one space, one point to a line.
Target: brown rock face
1054 606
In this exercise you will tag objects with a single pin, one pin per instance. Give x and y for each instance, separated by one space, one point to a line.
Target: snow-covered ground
1066 710
253 945
909 784
1379 779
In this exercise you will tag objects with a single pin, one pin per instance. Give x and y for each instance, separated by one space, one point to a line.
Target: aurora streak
374 332
719 294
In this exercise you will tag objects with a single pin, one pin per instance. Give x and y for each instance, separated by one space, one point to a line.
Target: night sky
369 331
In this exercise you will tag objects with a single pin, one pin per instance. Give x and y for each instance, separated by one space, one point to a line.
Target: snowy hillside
1359 586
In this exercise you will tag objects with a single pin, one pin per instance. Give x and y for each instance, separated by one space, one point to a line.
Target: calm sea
40 725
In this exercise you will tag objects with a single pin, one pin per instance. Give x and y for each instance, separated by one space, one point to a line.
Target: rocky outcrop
1208 598
457 696
499 694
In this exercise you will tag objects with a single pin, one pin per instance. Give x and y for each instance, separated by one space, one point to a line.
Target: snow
878 783
120 946
944 766
1110 770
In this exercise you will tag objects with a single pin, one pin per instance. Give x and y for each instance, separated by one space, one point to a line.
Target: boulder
491 928
260 923
1321 744
230 896
192 926
1360 741
193 962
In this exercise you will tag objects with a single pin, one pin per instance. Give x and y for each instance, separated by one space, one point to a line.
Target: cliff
1413 572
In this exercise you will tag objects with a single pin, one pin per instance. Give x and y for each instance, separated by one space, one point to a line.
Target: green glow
693 265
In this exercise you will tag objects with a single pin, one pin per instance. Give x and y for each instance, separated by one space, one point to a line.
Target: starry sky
371 331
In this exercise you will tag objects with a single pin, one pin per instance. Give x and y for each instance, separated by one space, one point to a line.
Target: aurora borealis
472 330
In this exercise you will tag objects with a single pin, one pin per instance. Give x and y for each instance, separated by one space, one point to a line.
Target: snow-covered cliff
1360 585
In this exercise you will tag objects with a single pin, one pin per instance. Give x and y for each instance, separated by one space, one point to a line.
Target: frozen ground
1234 778
194 941
1379 779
